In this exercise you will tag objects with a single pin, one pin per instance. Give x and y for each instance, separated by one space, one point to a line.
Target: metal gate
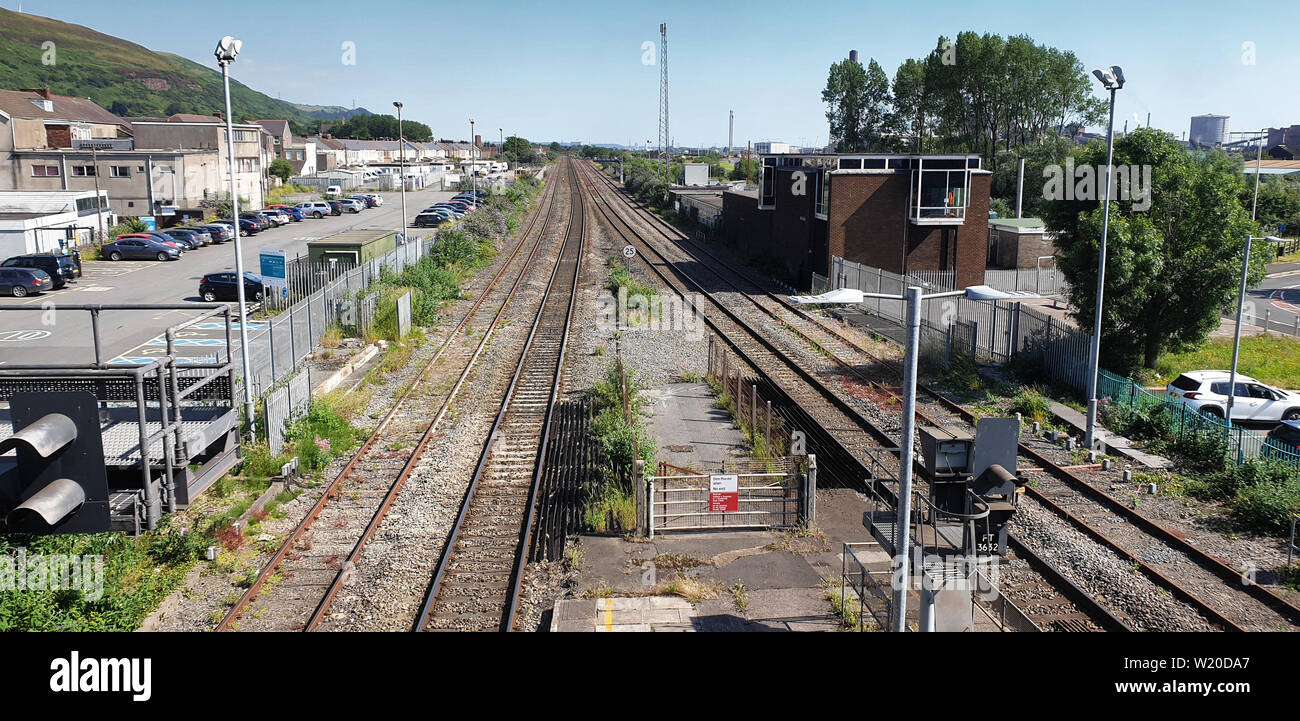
769 494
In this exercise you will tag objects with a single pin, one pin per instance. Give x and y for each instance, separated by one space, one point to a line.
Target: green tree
1171 268
914 103
1052 150
518 150
746 169
555 147
859 109
281 169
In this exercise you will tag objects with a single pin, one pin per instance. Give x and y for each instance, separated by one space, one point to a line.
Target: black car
184 242
336 208
219 233
246 226
221 286
262 223
138 247
22 282
429 220
62 269
366 200
190 235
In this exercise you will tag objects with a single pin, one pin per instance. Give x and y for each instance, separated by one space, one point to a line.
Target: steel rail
449 548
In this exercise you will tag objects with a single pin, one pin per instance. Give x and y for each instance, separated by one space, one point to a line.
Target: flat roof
353 237
1017 222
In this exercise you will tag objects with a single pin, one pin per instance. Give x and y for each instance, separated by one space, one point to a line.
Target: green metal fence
1184 422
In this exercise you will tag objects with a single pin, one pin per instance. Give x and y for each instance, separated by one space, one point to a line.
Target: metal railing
864 586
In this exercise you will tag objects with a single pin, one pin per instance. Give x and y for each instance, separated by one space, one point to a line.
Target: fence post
737 396
726 359
810 492
709 371
753 410
947 348
974 341
767 434
644 510
270 333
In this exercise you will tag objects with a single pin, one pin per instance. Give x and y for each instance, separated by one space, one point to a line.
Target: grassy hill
126 78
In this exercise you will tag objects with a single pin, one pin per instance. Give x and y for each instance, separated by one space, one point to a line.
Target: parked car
246 226
350 205
430 220
61 269
182 242
450 213
365 201
279 216
195 238
292 211
316 209
272 218
138 247
336 207
334 190
22 282
379 199
262 221
1207 391
221 286
220 232
1287 436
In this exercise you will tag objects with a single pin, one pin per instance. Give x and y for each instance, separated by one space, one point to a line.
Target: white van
334 190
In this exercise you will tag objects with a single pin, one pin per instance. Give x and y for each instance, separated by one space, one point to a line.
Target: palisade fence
999 332
1184 422
320 295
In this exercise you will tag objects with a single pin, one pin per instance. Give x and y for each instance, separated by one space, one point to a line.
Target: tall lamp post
401 145
226 52
913 298
1112 80
473 181
1236 340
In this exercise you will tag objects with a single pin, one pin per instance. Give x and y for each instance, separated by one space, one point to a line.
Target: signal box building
901 213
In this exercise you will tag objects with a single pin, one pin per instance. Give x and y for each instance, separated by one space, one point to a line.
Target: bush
1267 507
1032 405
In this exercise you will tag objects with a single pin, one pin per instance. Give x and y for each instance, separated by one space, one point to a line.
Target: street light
227 50
473 182
913 298
1236 341
401 149
1112 80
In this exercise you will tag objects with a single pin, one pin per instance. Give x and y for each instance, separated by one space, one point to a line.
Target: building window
245 136
823 195
119 171
248 165
45 171
83 171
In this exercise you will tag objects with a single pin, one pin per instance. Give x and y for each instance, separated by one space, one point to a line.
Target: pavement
42 334
762 580
691 431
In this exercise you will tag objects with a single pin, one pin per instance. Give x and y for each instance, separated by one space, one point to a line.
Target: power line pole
665 143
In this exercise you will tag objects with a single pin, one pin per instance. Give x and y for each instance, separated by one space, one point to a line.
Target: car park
279 216
316 209
22 282
271 218
138 247
222 286
449 212
260 221
61 269
365 200
183 242
1253 401
350 205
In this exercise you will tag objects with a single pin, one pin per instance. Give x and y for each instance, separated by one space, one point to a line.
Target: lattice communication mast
665 141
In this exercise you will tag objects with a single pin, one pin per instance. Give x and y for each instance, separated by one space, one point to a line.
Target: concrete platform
792 609
1115 444
692 431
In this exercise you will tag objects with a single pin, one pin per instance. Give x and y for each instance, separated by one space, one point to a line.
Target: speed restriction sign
629 251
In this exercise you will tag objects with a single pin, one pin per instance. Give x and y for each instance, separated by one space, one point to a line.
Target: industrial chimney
731 130
853 55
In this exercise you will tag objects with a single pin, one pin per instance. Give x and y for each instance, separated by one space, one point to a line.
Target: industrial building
901 213
1208 131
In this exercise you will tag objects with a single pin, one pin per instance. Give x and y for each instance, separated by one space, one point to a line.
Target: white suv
1207 391
315 209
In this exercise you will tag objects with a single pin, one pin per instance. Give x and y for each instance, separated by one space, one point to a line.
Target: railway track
1057 603
475 585
1212 587
321 552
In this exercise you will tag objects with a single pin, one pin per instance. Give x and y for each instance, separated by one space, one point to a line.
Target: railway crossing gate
775 493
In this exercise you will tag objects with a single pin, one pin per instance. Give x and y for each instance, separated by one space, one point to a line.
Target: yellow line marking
609 615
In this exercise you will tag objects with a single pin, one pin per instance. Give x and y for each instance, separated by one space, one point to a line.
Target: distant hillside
331 112
126 78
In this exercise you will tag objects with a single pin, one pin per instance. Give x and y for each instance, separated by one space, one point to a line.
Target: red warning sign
724 493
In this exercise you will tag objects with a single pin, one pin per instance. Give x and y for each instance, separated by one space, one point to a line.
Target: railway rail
318 556
476 583
1220 594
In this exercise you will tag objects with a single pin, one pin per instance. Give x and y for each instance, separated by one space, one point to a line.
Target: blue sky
573 70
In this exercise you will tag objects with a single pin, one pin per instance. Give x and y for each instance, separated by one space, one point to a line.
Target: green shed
352 247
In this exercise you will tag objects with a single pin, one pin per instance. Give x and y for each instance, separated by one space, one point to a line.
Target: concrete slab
692 432
1115 444
775 569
